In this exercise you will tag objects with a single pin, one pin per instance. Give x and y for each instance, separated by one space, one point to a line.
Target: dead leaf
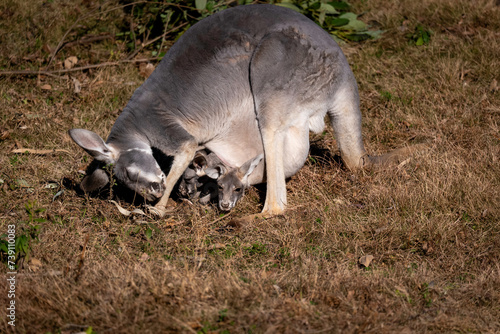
47 48
126 212
144 257
77 86
145 70
46 87
402 164
216 246
427 248
494 86
195 325
35 264
365 260
70 62
4 135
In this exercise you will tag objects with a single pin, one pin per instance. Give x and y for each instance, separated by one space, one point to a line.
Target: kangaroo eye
237 190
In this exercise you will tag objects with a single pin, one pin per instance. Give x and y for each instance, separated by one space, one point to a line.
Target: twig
143 45
88 39
42 152
61 42
75 69
220 218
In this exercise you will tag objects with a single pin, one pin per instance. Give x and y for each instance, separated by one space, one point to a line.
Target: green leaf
290 6
355 25
321 18
338 22
358 37
200 4
329 9
135 230
420 41
340 5
374 34
148 233
3 247
315 6
337 38
349 16
153 227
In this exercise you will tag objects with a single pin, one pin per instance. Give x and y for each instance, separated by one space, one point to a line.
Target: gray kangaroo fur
248 80
195 184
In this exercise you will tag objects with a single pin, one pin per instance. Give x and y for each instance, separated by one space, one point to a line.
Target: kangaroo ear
248 167
215 172
93 144
95 181
200 162
96 177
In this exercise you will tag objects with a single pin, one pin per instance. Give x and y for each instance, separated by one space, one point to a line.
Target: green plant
421 36
29 231
335 17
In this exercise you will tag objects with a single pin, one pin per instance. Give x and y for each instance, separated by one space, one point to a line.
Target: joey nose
225 206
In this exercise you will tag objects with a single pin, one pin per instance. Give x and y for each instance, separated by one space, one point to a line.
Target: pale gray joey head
232 182
133 165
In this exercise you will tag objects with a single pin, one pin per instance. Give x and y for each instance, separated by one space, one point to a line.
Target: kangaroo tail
390 158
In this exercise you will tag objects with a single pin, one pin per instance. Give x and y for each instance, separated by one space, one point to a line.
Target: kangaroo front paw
157 211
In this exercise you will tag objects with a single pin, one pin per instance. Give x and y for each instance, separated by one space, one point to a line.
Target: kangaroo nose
224 206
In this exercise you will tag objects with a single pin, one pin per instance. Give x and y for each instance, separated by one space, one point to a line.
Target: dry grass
431 224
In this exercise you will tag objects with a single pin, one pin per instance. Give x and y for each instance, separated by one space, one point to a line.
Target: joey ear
215 172
248 167
94 181
200 162
93 144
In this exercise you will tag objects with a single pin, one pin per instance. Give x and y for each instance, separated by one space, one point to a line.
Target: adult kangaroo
246 80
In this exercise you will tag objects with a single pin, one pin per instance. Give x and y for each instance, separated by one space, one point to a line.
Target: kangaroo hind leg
275 85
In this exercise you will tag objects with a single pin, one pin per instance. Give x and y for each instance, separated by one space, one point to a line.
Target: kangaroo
195 183
248 80
233 182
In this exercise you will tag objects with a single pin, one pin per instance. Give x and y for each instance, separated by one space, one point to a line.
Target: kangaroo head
133 166
188 186
233 182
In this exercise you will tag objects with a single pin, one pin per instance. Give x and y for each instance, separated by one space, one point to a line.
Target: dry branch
75 69
41 152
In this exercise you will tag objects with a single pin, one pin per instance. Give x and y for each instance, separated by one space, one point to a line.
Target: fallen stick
75 69
41 152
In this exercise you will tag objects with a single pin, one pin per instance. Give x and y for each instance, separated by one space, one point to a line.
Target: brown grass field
431 223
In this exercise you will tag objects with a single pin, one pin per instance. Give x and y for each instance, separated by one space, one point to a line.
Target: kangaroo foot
159 211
